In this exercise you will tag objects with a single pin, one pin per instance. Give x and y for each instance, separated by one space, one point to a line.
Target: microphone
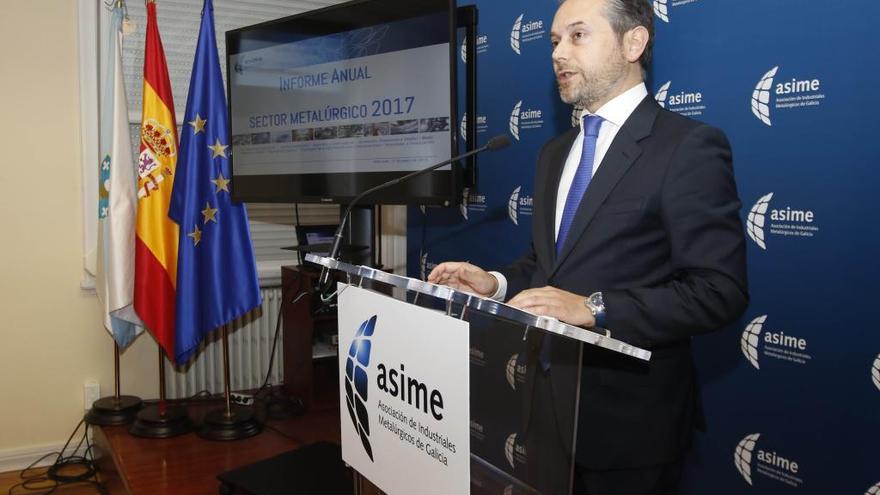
496 143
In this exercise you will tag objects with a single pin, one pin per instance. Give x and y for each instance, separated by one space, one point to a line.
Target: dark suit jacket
658 232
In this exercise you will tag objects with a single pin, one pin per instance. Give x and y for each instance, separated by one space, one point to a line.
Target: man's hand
550 301
464 276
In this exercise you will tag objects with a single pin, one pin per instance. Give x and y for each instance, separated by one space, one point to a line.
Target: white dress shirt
614 114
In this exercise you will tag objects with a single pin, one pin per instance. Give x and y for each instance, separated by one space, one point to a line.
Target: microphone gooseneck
495 143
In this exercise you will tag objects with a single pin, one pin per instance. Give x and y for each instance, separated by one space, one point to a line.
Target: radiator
249 352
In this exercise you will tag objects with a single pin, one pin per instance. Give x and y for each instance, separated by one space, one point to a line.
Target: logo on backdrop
797 93
786 221
576 113
515 372
519 204
525 31
874 490
482 125
246 62
357 381
747 457
471 202
478 357
425 266
776 344
477 431
687 103
515 452
521 120
482 46
661 7
875 372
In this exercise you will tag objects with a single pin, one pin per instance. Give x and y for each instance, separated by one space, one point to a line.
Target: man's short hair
624 15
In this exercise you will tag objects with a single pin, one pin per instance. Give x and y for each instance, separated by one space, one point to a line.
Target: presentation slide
384 109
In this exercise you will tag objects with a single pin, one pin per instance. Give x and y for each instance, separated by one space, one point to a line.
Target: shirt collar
619 108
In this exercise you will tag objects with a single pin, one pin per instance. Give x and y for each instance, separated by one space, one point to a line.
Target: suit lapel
622 153
556 160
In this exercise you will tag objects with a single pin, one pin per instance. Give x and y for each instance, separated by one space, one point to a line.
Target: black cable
284 293
52 477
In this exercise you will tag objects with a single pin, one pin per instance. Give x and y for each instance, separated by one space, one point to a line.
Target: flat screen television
328 103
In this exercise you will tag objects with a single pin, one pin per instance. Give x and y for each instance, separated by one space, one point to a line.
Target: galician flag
116 199
155 278
216 275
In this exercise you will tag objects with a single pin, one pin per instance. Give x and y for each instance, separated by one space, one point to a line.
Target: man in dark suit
636 230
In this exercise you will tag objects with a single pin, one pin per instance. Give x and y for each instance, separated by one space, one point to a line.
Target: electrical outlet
91 393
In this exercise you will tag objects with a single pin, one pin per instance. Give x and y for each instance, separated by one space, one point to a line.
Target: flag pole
161 420
117 409
227 393
229 423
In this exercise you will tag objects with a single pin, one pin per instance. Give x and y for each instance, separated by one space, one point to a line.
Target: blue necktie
582 177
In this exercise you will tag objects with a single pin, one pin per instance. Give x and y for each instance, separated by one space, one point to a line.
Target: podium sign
404 394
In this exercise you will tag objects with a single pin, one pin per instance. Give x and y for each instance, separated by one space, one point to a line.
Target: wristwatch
596 305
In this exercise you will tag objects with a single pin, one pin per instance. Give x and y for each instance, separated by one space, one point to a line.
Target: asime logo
515 372
525 31
477 431
750 338
761 96
471 201
464 203
777 344
482 46
749 460
794 93
519 204
247 62
756 220
514 452
521 120
786 222
357 381
875 372
662 7
687 103
661 10
576 113
482 125
425 266
742 456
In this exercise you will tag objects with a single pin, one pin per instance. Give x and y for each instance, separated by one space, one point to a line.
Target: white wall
51 338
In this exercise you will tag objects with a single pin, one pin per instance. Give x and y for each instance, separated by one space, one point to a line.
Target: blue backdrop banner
792 391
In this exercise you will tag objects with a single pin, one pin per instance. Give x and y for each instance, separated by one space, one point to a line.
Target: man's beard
595 86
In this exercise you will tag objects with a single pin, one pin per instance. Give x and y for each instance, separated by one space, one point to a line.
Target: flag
216 274
116 199
156 235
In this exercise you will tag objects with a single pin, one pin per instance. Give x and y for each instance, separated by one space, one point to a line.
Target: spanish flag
155 279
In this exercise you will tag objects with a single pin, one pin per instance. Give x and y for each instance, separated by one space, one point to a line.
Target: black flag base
150 423
113 411
239 423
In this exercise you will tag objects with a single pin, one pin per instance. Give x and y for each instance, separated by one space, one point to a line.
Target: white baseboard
18 458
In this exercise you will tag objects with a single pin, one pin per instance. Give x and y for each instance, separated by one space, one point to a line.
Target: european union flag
216 273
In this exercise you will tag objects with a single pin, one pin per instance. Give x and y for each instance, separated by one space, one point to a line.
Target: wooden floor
188 464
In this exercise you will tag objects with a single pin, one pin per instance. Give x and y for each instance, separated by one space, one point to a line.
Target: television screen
327 104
